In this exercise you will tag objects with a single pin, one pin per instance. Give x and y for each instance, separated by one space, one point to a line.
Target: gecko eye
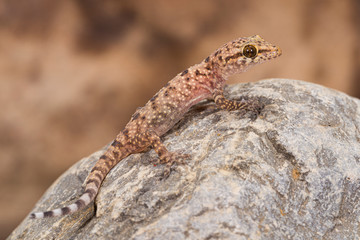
250 51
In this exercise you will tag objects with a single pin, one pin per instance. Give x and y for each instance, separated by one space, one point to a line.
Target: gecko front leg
244 105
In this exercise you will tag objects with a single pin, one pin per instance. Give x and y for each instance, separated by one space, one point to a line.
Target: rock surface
293 173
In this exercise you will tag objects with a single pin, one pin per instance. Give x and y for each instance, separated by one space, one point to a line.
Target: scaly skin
202 81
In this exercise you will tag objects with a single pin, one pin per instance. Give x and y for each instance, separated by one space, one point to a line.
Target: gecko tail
79 204
92 184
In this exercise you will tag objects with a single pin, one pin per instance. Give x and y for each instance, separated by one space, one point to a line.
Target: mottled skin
202 81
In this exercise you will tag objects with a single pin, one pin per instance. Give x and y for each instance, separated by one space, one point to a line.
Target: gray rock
293 173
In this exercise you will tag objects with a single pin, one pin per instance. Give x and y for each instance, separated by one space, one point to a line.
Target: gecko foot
253 107
170 158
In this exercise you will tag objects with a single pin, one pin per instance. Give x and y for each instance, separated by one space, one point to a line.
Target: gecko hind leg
166 157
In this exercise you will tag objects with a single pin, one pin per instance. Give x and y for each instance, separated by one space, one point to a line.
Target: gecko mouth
270 52
273 53
278 52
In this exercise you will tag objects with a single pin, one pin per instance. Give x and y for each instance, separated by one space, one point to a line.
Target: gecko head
260 50
242 53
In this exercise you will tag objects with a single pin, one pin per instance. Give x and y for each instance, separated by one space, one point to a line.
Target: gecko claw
170 158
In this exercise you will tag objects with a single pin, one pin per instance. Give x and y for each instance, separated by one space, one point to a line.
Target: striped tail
102 167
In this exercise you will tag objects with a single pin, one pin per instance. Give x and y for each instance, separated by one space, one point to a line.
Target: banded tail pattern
102 167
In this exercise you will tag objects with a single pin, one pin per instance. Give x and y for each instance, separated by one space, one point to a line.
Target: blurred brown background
72 72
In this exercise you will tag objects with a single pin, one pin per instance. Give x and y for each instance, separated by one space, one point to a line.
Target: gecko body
201 81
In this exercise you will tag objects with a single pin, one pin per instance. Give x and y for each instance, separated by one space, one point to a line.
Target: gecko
205 80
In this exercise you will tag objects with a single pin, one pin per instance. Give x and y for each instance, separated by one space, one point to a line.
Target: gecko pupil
250 51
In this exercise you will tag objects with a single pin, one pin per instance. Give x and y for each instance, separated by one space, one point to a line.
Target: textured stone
293 173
